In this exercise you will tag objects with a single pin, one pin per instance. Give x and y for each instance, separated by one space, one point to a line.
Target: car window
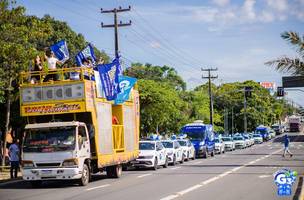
167 144
146 146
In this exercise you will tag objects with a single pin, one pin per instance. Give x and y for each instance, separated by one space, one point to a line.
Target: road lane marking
101 186
210 180
144 175
175 168
189 189
264 176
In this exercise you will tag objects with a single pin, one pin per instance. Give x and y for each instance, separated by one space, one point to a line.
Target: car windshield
257 135
168 144
275 127
182 143
226 139
216 140
261 131
196 135
146 146
50 139
238 138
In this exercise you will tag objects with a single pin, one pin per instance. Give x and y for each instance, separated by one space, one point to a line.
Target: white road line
175 168
144 175
210 180
189 189
264 176
101 186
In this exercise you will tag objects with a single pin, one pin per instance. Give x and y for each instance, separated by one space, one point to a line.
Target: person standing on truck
286 145
13 153
51 63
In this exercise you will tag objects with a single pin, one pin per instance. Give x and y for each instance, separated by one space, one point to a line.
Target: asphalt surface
241 174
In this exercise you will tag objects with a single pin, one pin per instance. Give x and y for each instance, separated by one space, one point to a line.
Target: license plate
44 172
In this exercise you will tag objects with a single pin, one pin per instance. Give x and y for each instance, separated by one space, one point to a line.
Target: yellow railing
118 138
63 74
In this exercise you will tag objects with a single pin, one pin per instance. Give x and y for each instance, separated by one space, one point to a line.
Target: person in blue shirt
14 153
286 145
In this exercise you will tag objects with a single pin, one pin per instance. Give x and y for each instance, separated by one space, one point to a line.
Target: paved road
242 174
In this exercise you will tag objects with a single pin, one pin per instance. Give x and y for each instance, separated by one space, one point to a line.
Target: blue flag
87 52
109 78
61 51
125 84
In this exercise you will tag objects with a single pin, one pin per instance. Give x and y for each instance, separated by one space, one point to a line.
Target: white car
188 148
174 151
239 142
152 154
251 139
219 146
258 139
229 143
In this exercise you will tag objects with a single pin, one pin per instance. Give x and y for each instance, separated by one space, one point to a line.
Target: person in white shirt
14 153
52 66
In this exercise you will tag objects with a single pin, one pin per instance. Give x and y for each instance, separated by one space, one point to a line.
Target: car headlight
27 164
70 162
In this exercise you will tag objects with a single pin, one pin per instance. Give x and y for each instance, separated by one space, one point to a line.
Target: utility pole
232 123
209 77
245 113
116 25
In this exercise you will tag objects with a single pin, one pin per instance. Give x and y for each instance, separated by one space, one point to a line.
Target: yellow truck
70 133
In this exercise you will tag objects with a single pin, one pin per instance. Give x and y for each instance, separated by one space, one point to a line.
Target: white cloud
205 14
221 2
267 17
248 9
279 5
155 45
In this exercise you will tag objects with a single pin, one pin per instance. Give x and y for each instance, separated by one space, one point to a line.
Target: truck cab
55 150
202 137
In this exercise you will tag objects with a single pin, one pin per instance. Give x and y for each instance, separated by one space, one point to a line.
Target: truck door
83 143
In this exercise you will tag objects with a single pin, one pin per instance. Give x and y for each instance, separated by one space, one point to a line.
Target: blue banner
87 52
125 84
61 51
109 78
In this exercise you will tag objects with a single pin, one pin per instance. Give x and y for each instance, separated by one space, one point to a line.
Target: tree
291 65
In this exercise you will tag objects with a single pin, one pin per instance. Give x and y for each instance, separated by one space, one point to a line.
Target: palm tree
294 66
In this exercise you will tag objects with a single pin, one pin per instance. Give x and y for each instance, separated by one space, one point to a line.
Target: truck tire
36 184
85 178
114 171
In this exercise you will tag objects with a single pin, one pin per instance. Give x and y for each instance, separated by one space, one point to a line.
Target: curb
299 194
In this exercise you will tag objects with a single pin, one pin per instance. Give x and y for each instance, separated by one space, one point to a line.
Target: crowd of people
52 64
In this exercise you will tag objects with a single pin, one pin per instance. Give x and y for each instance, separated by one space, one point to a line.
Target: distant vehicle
272 133
251 139
229 143
188 148
247 140
258 139
202 137
152 154
174 151
219 146
239 142
279 129
264 131
294 123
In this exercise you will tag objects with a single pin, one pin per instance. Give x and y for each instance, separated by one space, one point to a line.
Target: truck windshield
50 139
196 135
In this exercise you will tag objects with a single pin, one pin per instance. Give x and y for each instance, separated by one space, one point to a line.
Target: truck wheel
166 163
84 180
155 164
114 171
36 184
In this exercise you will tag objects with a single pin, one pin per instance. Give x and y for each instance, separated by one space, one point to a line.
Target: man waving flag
61 51
87 52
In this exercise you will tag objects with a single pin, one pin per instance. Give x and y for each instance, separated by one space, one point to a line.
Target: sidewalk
5 176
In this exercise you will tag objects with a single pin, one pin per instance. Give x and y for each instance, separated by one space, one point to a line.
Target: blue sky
236 36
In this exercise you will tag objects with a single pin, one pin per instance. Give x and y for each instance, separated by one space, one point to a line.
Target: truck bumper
51 174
